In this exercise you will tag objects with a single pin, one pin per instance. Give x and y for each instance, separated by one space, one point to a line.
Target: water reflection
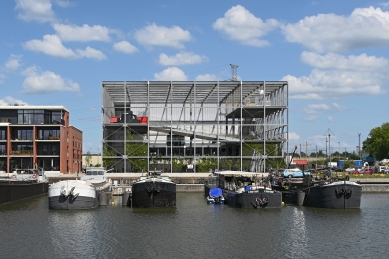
194 229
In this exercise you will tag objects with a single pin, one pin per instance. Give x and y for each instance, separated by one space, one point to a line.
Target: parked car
294 173
367 171
381 169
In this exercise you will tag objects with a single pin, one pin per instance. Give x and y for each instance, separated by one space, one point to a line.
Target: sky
334 54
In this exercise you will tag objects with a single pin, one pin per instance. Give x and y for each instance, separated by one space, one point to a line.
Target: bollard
126 201
300 197
102 199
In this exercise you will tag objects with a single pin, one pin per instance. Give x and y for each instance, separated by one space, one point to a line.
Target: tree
377 142
134 148
88 158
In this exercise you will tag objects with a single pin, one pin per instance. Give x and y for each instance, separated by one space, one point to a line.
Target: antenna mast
234 72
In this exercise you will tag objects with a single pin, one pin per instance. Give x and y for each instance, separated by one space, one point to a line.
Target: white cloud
12 63
183 58
8 100
364 27
171 74
64 3
339 107
329 118
336 61
82 33
311 118
316 108
91 53
333 84
154 35
39 10
207 77
125 47
241 25
52 45
37 82
293 136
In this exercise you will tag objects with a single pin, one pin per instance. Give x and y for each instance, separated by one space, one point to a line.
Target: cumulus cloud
316 108
362 62
12 63
183 58
82 33
64 3
329 118
207 77
125 47
311 118
154 35
339 107
52 45
293 136
8 100
364 27
38 10
171 74
333 84
241 25
42 82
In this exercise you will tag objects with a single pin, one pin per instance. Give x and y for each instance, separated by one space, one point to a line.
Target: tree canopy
377 142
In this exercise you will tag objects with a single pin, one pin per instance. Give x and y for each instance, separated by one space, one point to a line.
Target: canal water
194 230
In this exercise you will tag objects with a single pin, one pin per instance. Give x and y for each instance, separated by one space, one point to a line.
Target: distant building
39 136
95 159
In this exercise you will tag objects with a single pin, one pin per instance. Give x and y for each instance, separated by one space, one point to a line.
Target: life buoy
34 176
13 176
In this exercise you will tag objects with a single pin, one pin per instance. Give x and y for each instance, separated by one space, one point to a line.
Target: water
194 230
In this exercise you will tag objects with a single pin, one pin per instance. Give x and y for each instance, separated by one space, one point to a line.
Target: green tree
88 158
134 148
377 142
108 153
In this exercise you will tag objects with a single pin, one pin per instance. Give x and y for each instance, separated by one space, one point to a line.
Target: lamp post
339 150
359 146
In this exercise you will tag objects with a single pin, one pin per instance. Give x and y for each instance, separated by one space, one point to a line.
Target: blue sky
333 53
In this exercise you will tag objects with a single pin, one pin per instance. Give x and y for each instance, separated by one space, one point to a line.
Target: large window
48 134
30 116
3 135
24 134
3 150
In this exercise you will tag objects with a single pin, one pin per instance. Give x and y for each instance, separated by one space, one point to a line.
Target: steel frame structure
238 125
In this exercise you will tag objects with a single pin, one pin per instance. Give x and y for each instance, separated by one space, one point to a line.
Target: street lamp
339 150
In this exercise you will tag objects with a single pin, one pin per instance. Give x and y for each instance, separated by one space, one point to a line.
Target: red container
143 119
114 119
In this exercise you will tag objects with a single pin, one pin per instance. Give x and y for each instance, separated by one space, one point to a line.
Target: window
54 150
3 135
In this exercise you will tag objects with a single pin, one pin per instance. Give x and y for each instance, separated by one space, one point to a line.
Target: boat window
94 172
101 172
88 172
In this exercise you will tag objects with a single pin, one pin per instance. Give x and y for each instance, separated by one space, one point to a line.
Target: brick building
39 136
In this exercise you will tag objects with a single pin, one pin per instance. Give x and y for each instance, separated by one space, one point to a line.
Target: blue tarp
215 192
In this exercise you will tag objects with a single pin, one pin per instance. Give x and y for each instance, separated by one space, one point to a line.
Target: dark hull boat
153 192
23 184
336 195
242 190
329 193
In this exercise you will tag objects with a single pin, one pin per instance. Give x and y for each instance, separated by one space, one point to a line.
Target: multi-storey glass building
194 126
39 136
